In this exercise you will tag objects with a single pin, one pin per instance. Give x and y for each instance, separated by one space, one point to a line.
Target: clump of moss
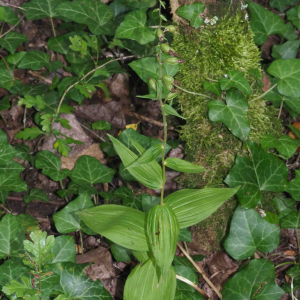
209 54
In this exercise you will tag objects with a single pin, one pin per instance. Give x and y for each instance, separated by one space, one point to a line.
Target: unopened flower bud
160 34
152 83
171 61
168 79
171 96
165 48
170 28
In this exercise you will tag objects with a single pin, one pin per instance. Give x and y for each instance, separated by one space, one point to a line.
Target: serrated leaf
235 79
101 125
149 174
134 28
36 195
281 4
256 281
286 51
29 133
181 165
20 288
64 249
76 285
250 232
61 146
233 114
122 225
11 237
213 87
66 220
30 101
89 170
50 165
264 23
34 60
285 144
288 72
12 41
293 15
294 186
251 174
192 13
93 13
193 206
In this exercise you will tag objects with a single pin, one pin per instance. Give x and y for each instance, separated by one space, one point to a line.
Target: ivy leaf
7 152
293 15
51 165
281 5
28 223
285 144
292 220
101 125
36 194
34 60
73 93
233 115
148 202
264 23
76 285
72 190
185 235
6 76
59 44
37 9
288 72
3 196
286 51
93 13
237 80
284 206
12 182
29 133
15 58
4 103
9 16
11 167
23 152
250 232
12 41
213 86
11 237
192 13
64 249
134 28
294 186
252 175
290 33
66 220
89 170
256 281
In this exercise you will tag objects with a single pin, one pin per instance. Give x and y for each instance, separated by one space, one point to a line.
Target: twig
95 134
1 205
264 94
200 271
143 118
192 284
193 93
40 76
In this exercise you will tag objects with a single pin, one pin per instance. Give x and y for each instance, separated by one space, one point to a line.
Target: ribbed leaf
193 206
181 165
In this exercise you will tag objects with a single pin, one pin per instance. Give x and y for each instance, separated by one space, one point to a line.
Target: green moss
210 54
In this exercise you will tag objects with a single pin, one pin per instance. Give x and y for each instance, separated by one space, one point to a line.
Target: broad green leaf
285 144
93 13
120 253
184 295
264 23
12 182
185 235
29 133
73 93
34 60
256 281
36 194
148 156
181 165
233 114
101 125
11 237
288 72
193 206
237 80
4 103
39 247
30 89
48 283
66 220
9 16
72 190
188 273
281 4
50 165
12 167
76 285
149 174
290 33
184 261
23 152
293 15
292 220
286 51
294 186
15 58
59 44
261 172
148 202
6 76
271 218
169 110
192 13
19 288
128 197
7 152
284 206
12 41
89 170
64 249
250 232
28 223
134 28
3 196
36 9
122 225
54 66
213 87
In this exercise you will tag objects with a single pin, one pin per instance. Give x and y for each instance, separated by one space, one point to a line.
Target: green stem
53 28
193 93
280 110
81 241
264 94
62 187
1 205
2 28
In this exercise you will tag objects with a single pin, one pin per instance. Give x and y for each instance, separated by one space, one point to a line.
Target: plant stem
193 93
192 284
264 94
1 205
81 241
98 136
280 110
3 118
62 187
200 271
53 28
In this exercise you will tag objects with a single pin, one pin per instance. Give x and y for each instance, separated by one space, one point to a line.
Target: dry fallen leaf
266 81
290 252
